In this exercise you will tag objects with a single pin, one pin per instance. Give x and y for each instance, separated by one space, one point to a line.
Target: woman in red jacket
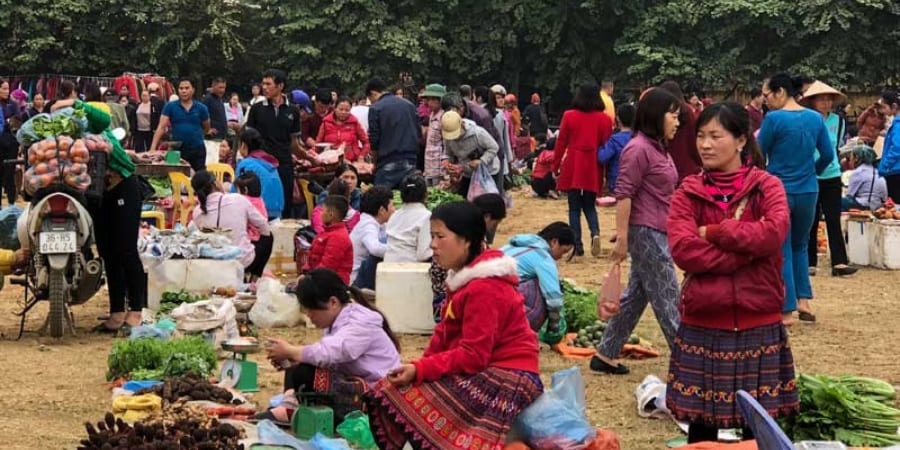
583 130
341 127
726 227
481 368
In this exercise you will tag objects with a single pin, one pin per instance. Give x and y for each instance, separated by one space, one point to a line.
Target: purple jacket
355 345
648 177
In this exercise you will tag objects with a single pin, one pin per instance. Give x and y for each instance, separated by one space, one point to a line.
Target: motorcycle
58 230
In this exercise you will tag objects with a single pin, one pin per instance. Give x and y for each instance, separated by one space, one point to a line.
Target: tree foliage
542 44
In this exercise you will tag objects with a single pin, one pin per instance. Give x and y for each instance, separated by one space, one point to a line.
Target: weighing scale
238 372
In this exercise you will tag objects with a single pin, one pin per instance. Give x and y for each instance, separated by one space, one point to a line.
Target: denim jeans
390 175
795 248
365 276
583 201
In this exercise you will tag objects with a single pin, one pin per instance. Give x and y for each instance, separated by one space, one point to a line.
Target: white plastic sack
216 319
651 398
274 308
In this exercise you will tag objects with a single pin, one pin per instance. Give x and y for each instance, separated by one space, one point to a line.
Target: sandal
103 329
806 316
600 366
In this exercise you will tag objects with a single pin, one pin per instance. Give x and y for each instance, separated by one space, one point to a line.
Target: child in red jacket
332 248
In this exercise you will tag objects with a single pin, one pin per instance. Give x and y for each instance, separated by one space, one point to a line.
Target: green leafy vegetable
171 300
857 411
436 197
148 357
580 305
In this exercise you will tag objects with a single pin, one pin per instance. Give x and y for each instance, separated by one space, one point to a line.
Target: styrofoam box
282 260
859 241
885 252
196 276
404 296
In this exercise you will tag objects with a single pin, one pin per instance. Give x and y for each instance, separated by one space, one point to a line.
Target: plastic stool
156 216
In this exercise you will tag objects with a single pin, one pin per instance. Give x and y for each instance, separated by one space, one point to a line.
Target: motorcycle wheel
57 302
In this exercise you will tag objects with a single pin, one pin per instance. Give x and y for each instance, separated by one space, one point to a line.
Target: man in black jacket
215 103
394 134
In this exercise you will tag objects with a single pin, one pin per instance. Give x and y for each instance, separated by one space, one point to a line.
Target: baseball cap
301 99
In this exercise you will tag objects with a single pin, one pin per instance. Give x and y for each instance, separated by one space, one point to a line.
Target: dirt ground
50 388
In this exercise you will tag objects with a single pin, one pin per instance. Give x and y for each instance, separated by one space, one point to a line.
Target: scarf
722 186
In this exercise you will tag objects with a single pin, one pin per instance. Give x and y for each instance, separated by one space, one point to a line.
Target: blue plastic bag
482 183
270 434
323 443
9 236
558 414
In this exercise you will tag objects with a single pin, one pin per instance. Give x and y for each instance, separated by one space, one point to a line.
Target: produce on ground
857 411
171 300
436 197
590 336
152 357
521 179
177 427
580 305
189 387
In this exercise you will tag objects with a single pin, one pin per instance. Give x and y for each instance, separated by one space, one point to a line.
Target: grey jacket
473 140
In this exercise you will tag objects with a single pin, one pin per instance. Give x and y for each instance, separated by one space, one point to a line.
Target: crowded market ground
50 388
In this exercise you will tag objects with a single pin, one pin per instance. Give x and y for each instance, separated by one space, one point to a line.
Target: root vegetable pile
180 428
189 387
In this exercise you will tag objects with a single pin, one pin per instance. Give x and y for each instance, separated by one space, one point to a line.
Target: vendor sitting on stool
357 349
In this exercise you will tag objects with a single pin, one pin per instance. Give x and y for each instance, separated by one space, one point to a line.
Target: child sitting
339 188
609 153
409 229
265 166
249 186
226 156
357 349
332 247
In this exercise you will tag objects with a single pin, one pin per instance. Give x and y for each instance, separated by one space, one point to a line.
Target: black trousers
829 206
542 186
286 174
116 228
893 185
300 378
8 174
142 140
263 248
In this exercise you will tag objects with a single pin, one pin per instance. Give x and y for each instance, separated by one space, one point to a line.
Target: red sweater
581 134
734 275
350 133
683 147
333 250
483 323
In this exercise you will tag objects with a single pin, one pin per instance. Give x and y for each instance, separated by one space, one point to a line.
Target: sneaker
812 271
596 246
600 366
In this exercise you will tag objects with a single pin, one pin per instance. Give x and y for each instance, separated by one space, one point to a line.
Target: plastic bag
554 338
651 398
482 183
321 442
355 429
608 303
274 308
9 235
557 416
270 434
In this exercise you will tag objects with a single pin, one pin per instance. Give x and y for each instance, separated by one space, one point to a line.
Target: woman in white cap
821 97
469 146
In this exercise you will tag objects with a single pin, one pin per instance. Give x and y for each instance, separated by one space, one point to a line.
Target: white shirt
361 112
369 238
409 234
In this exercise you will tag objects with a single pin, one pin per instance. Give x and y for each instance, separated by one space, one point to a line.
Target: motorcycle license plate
58 242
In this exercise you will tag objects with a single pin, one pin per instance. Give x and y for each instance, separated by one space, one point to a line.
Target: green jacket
98 123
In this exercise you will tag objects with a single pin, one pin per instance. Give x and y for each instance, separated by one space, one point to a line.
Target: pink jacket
238 215
260 205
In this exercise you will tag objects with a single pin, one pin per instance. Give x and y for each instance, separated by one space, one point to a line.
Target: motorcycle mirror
119 133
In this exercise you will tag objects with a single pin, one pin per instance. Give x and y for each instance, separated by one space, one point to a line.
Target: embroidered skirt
455 412
709 366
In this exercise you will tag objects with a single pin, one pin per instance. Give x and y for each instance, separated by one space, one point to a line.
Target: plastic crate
97 165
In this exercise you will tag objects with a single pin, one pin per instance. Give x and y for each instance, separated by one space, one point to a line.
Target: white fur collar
503 266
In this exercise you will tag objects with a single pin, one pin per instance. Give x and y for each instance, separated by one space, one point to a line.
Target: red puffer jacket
733 279
333 250
350 132
483 323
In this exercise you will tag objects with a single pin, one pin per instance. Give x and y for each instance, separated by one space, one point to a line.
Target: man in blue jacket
394 133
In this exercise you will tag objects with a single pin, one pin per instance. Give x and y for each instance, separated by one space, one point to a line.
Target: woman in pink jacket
216 209
341 127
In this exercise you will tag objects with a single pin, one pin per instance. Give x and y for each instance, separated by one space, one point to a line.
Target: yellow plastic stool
219 170
182 209
158 216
